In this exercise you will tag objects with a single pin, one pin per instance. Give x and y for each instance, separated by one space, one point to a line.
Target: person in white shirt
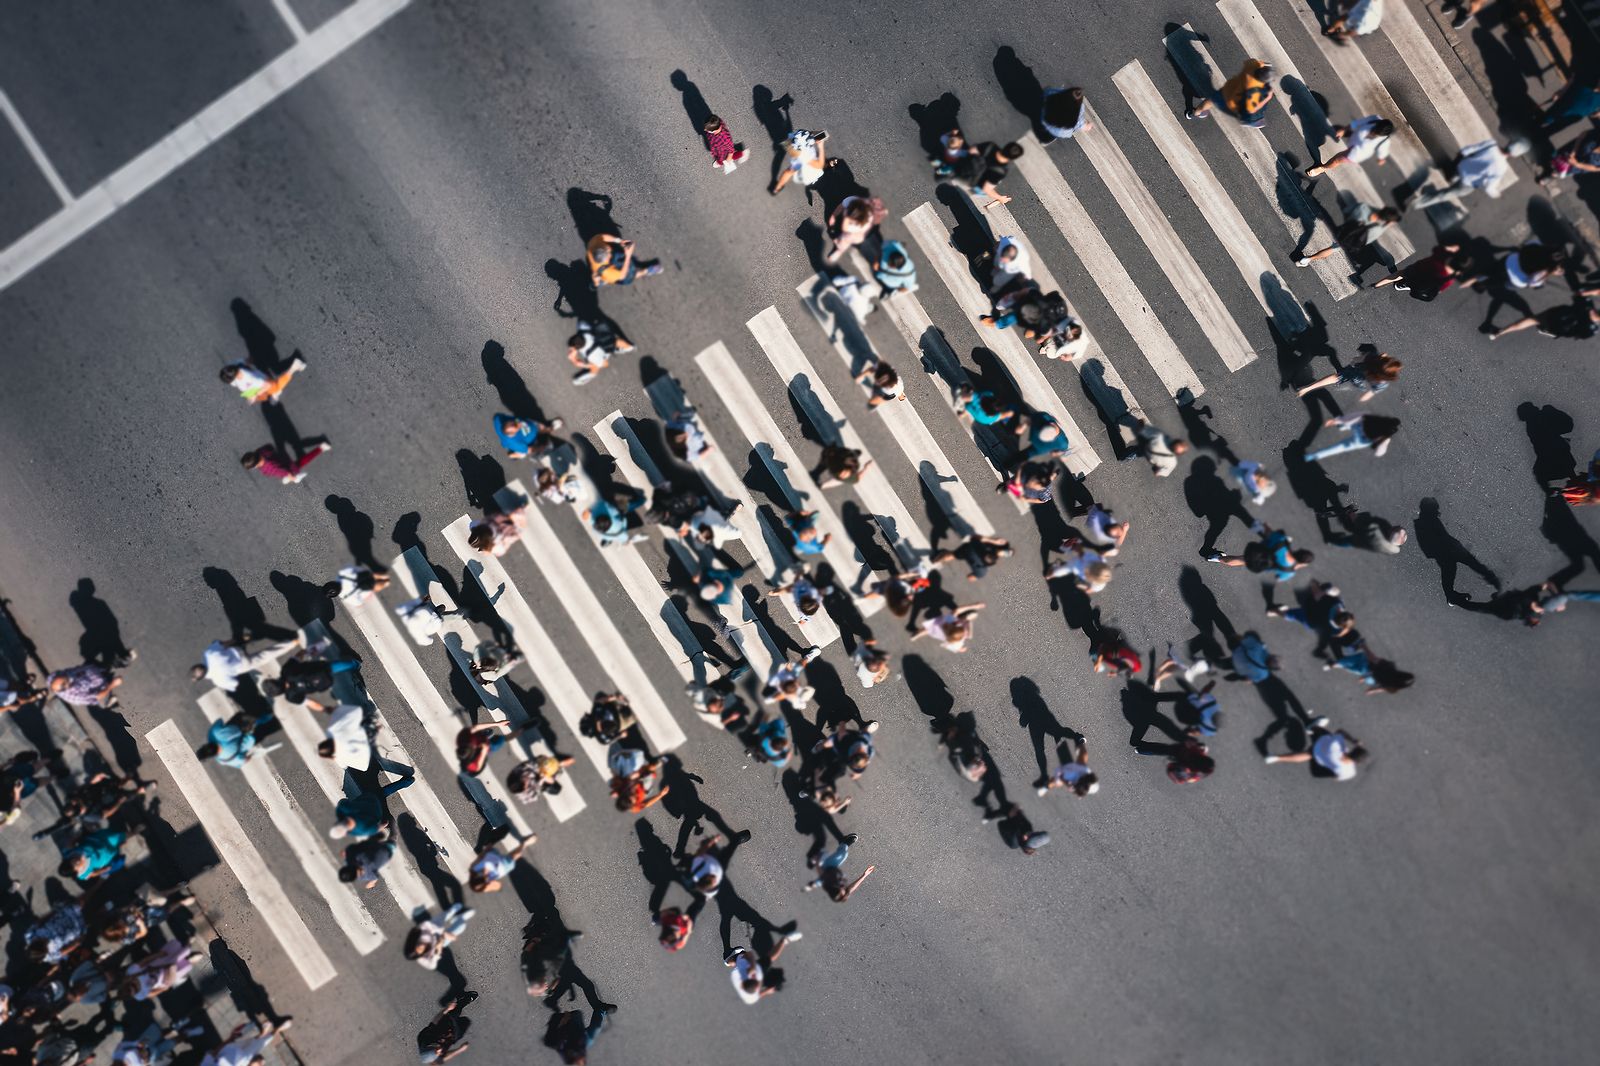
1339 754
1011 265
1160 449
749 969
422 621
226 661
256 386
1478 166
872 663
708 526
1365 138
240 1050
1073 774
952 629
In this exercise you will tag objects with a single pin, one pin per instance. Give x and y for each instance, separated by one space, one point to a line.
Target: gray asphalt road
406 207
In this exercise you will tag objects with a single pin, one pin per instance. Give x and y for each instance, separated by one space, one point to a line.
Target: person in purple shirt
87 685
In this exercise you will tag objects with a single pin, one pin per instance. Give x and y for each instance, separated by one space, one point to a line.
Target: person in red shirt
725 155
273 463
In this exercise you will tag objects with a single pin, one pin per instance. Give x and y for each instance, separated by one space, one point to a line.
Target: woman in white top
1365 138
1337 753
427 942
749 974
710 527
1362 18
1011 265
952 629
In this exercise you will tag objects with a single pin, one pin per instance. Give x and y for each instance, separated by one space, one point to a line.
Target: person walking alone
725 154
255 385
271 462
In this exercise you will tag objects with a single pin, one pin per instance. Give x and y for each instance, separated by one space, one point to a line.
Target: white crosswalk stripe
1277 183
1252 31
1106 271
572 589
918 445
1229 225
1173 256
306 842
266 894
828 417
1020 364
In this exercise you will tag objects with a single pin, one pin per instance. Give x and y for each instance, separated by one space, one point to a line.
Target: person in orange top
1245 95
612 262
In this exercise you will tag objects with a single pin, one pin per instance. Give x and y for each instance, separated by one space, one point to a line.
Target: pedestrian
982 407
703 872
978 552
96 854
1363 431
1424 279
831 876
1336 754
611 523
985 167
537 776
894 269
443 1038
1086 567
612 261
526 438
1064 113
1324 613
1273 554
1030 484
566 1034
546 954
1363 139
1372 375
1244 96
1580 489
1010 267
492 661
159 972
882 382
1357 20
1109 653
786 683
851 221
676 927
686 439
871 662
19 692
273 463
849 747
257 386
1253 481
1198 710
750 977
232 741
1363 225
422 620
361 816
951 628
1188 760
806 594
226 661
475 743
365 859
610 716
356 585
1530 266
839 465
725 154
1578 320
709 527
808 540
492 866
1073 774
1380 676
432 935
1558 601
498 529
1580 157
805 156
84 685
1574 100
1252 661
591 348
242 1050
1363 529
1481 165
1160 449
1047 441
1018 832
641 790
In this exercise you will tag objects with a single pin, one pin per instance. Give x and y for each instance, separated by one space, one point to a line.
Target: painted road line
1020 364
1235 234
35 152
265 892
1170 253
1106 271
290 19
308 843
570 698
805 384
792 476
500 702
716 470
638 470
595 626
910 432
191 138
1352 179
1271 176
393 650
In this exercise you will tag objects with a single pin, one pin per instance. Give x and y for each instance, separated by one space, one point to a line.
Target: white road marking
188 140
290 19
306 842
1020 364
570 698
1352 178
265 892
1235 234
595 626
1106 271
871 486
42 161
917 444
1261 161
500 702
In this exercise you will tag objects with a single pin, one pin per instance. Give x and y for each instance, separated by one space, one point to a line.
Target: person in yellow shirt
1245 95
612 262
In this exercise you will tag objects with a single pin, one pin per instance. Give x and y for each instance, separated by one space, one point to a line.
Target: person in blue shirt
610 523
231 741
361 816
894 270
525 438
1273 554
1252 661
983 407
772 742
807 541
96 854
718 586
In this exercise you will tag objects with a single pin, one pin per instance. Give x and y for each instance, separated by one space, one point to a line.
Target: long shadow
1197 427
694 104
1207 615
1313 487
446 889
1021 88
1289 715
508 384
281 430
101 641
249 996
838 183
1192 93
935 119
841 608
932 695
576 296
655 862
1141 709
481 475
1210 498
357 527
863 531
1548 426
1309 111
774 115
1448 553
810 820
408 533
835 705
260 343
971 235
244 613
1295 355
591 214
477 605
1514 108
1033 714
683 802
763 933
1562 529
934 505
815 242
304 599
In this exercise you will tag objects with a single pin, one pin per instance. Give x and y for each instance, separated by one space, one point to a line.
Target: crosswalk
1236 183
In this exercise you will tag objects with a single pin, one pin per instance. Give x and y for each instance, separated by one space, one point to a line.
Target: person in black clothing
304 675
1019 833
570 1038
441 1039
1576 321
546 951
986 166
978 552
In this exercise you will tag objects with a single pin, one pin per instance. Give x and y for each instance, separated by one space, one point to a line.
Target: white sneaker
1302 261
793 935
297 364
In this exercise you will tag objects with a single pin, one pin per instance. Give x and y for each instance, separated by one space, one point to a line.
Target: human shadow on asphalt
815 243
481 475
810 820
1207 616
260 343
1021 88
1289 715
357 527
591 214
244 613
1034 715
508 385
683 802
773 114
101 641
1449 554
1077 610
1562 529
1210 498
1312 486
249 996
694 103
423 849
837 184
971 235
841 608
576 296
655 862
934 120
1141 709
763 932
304 600
863 533
1547 428
1197 428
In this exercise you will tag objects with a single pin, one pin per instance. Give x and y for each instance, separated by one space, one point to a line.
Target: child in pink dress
725 155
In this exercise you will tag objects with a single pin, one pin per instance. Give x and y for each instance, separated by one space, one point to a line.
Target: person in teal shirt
895 271
231 741
95 855
525 438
